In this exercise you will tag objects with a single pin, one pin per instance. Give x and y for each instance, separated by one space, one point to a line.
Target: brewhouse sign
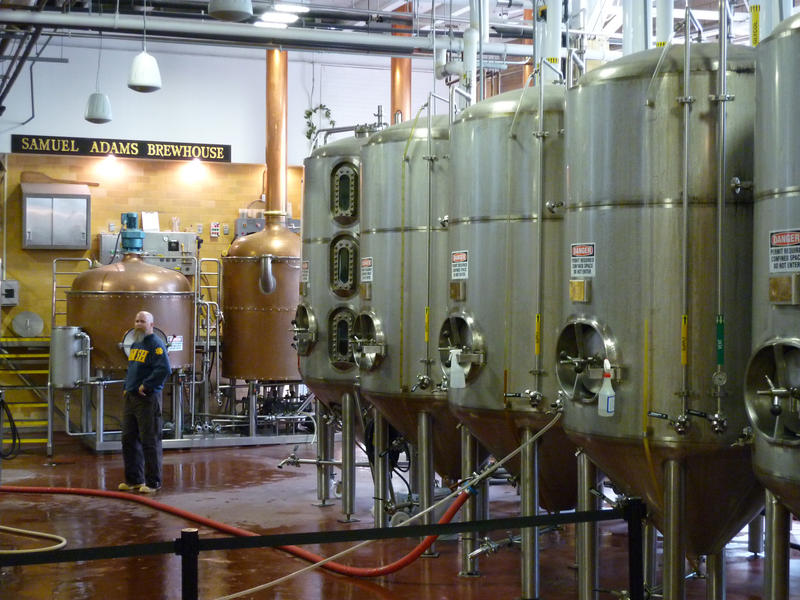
75 146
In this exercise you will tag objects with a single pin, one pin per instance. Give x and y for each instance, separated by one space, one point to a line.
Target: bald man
148 368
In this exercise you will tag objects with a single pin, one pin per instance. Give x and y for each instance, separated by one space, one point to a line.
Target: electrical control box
248 225
168 249
9 292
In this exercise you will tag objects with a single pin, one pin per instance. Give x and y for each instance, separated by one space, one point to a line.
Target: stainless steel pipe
674 535
586 533
380 468
529 505
776 571
715 576
324 453
425 472
348 456
469 463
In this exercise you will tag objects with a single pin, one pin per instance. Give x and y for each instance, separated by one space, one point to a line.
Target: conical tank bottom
500 432
722 492
777 467
402 412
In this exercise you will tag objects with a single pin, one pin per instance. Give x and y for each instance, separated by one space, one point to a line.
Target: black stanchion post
634 515
188 548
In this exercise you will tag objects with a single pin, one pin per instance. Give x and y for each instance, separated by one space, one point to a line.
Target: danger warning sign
459 264
582 260
784 251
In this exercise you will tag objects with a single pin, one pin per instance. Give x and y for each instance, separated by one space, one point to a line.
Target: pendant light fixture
98 107
144 76
230 10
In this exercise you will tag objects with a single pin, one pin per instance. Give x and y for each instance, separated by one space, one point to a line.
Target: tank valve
777 394
579 363
681 424
737 185
487 546
535 397
423 383
290 460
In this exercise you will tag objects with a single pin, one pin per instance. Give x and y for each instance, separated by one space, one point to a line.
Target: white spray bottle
606 395
457 378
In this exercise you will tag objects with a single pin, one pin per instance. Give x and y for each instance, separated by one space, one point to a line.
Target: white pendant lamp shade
98 109
145 76
230 10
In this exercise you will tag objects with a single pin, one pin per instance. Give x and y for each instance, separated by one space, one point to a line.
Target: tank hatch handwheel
459 332
304 327
772 390
581 348
368 341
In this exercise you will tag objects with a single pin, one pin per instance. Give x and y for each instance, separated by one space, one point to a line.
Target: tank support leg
348 457
100 414
755 535
380 468
776 569
529 499
586 533
715 576
674 541
252 410
469 462
425 471
324 453
649 556
177 405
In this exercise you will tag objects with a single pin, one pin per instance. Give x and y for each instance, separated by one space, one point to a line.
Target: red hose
295 550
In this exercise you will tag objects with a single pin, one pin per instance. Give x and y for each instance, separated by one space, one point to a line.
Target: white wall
209 94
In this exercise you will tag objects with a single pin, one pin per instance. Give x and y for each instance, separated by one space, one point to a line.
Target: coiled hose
223 527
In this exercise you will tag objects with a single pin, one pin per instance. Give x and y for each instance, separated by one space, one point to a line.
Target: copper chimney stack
277 94
401 80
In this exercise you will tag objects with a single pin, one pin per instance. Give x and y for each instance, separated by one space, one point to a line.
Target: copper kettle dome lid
274 239
131 274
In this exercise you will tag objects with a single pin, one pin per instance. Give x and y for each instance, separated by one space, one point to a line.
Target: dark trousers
141 439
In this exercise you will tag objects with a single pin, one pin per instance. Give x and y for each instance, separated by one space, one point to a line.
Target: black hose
16 442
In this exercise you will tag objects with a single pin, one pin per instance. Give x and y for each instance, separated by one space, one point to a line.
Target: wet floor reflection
243 487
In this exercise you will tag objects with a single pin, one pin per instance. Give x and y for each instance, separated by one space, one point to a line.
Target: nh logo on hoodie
138 355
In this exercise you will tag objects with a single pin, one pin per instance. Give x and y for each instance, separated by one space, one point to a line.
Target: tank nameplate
458 291
580 290
366 291
785 289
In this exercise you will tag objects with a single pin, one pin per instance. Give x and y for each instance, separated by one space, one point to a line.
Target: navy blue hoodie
148 365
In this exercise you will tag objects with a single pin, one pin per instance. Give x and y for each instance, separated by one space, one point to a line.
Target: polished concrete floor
243 487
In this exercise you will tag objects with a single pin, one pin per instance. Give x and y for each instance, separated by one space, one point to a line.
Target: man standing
148 368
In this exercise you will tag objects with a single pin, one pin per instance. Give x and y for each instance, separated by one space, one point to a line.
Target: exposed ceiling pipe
237 32
551 43
634 26
528 68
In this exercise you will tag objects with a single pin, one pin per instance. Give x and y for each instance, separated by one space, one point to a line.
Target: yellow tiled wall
129 185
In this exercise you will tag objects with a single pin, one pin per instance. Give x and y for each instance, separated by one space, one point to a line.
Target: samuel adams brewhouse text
41 144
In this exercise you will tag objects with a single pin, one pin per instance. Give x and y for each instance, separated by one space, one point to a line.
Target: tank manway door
369 342
772 390
304 327
340 330
581 348
458 332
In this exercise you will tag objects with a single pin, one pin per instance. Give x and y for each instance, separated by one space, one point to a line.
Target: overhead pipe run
401 81
245 33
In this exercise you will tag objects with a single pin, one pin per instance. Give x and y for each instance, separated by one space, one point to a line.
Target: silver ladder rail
59 285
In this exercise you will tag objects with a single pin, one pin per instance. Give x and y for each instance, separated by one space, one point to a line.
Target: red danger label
366 262
459 257
582 249
784 238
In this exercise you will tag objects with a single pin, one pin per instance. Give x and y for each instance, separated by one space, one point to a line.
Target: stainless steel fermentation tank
405 190
330 269
506 275
326 314
643 294
772 388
